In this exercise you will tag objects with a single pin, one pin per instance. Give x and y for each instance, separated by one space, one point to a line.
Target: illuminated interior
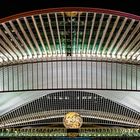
60 60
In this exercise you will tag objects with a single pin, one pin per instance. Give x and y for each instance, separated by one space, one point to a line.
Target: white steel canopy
76 32
61 51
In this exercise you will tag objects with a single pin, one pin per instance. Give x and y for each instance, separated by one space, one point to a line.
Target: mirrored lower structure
70 73
44 117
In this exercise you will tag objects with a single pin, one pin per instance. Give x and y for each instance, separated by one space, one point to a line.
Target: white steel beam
39 35
130 47
20 38
14 40
118 45
117 36
8 55
10 51
46 37
110 35
124 47
32 36
84 33
26 37
10 44
50 25
91 32
104 33
58 33
97 33
77 35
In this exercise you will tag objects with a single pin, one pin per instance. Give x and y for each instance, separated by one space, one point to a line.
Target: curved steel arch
89 105
47 33
71 9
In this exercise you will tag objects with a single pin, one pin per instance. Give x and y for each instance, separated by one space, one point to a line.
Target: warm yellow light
72 120
71 14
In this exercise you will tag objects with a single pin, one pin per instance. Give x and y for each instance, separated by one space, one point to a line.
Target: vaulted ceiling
72 32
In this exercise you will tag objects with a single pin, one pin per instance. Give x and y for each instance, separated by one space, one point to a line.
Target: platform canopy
76 32
54 61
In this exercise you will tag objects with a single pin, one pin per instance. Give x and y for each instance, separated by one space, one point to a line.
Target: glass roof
78 33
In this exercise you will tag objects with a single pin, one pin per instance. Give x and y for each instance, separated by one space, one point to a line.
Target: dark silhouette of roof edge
69 9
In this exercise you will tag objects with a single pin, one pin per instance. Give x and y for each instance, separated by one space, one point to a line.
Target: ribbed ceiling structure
56 105
79 49
76 32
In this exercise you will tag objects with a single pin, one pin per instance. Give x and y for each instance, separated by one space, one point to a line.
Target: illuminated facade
61 60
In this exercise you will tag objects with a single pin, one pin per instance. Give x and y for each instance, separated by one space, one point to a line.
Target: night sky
11 7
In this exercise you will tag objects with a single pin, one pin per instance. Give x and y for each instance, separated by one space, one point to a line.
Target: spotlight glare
64 55
59 55
88 55
78 55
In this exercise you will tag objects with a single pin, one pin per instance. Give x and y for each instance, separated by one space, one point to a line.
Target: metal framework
95 33
67 74
70 49
62 132
56 105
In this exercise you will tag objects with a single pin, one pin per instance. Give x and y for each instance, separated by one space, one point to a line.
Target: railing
70 74
62 132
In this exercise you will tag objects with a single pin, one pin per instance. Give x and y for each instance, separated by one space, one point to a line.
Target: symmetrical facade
55 61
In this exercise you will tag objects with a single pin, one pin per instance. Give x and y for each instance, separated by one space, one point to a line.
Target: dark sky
10 7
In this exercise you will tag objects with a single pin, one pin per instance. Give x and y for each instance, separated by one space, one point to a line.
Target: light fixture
72 120
59 55
39 56
78 54
54 55
64 55
113 56
71 14
88 55
44 55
